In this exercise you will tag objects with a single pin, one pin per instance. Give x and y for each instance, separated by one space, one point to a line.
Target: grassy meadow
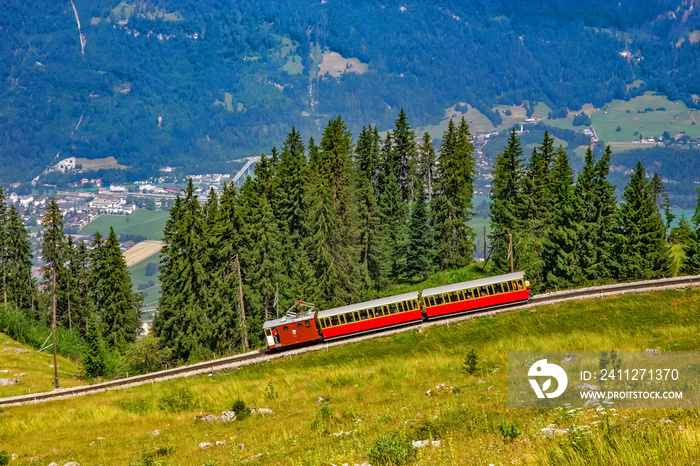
34 370
372 395
146 223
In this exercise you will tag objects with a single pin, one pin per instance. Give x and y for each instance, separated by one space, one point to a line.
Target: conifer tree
54 257
640 248
406 157
120 309
21 286
374 255
506 203
265 268
393 210
452 200
599 210
94 356
84 307
540 187
691 262
183 308
4 247
420 244
561 255
427 164
293 178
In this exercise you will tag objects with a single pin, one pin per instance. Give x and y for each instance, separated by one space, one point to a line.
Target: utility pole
277 298
510 251
241 307
484 242
53 332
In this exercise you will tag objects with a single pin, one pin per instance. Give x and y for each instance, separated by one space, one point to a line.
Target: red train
397 310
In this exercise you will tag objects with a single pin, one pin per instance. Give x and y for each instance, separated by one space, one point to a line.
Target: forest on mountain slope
196 84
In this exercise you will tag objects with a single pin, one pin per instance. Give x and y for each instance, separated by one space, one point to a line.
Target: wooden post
53 332
484 242
241 307
277 298
510 251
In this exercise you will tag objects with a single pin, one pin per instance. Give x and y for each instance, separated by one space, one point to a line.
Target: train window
482 291
410 305
370 313
497 288
431 300
363 314
446 298
453 297
285 328
392 309
378 311
299 325
335 321
468 294
490 288
267 332
400 306
520 284
322 322
438 299
385 310
308 323
506 287
416 306
460 295
341 317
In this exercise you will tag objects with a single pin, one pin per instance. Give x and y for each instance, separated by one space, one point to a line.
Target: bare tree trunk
241 307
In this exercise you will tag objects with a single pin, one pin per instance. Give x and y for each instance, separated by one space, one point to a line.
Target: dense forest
333 222
197 84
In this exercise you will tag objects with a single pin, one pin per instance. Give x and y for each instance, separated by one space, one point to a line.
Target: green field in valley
146 223
366 401
139 277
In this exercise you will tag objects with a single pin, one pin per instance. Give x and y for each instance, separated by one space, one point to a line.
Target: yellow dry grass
141 251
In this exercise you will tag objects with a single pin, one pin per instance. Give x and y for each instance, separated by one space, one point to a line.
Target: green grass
37 369
138 277
146 223
676 117
376 390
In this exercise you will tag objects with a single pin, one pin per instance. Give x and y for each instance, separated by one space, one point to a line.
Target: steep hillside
179 82
365 401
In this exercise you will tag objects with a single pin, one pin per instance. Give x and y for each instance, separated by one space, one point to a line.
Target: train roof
473 283
367 304
286 320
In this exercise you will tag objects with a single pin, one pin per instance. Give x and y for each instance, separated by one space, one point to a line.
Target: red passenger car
476 294
291 330
370 315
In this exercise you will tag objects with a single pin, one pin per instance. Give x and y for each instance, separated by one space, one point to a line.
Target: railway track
255 357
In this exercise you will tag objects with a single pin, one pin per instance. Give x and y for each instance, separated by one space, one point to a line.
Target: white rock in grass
551 431
5 371
220 442
425 443
320 400
227 416
651 352
22 350
5 382
254 410
53 463
71 463
155 433
666 420
254 457
204 445
569 357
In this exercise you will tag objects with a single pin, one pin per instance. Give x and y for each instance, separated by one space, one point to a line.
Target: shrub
392 450
4 458
509 430
239 407
618 129
178 400
470 362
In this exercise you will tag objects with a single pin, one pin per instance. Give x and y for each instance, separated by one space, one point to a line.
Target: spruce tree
374 255
561 255
506 207
54 257
640 248
393 210
406 158
94 356
4 246
420 244
293 177
21 286
120 309
427 164
184 304
691 262
452 200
